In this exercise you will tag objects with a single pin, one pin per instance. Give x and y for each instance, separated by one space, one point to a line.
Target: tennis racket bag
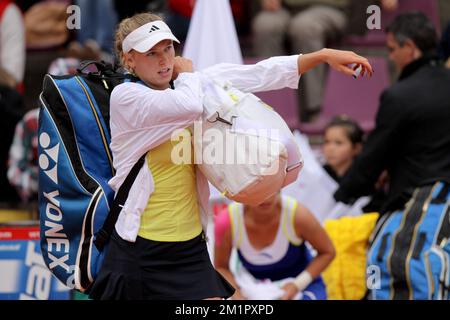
411 248
76 205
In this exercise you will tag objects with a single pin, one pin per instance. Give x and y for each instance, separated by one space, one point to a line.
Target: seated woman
270 242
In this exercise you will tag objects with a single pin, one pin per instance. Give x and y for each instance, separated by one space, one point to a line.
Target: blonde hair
128 25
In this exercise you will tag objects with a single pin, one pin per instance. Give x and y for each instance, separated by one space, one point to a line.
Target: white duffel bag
245 148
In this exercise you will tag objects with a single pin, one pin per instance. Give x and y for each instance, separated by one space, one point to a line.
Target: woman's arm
222 250
337 59
268 74
309 229
284 71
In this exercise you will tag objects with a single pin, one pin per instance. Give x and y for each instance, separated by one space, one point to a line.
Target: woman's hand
342 61
181 65
290 290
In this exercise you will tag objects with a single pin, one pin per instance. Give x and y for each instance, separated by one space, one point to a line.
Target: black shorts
157 270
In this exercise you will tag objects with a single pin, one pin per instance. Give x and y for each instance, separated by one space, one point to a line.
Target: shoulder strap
234 210
289 208
102 237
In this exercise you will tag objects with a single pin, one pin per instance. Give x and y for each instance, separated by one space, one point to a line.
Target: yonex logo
44 161
153 28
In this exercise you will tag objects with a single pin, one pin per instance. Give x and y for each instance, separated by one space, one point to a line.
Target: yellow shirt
172 212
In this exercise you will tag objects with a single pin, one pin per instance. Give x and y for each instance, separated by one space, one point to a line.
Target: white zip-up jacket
142 118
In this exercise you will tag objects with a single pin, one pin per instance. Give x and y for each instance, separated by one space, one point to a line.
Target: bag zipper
97 119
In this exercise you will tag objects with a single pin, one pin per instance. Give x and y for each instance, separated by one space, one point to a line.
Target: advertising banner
23 274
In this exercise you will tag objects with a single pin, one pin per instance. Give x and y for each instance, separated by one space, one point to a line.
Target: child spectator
343 142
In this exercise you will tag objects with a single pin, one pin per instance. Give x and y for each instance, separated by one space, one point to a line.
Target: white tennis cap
145 37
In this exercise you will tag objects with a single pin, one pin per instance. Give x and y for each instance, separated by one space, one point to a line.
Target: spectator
270 241
23 168
411 138
23 160
12 109
343 143
310 25
12 68
12 44
98 20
